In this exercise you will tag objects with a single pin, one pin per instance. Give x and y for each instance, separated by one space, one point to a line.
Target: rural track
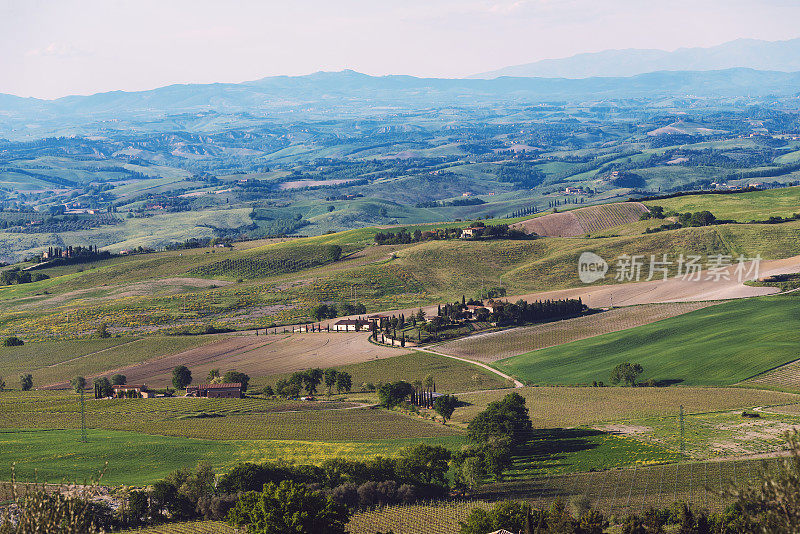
517 383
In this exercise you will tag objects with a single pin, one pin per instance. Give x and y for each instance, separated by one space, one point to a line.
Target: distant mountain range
351 94
755 54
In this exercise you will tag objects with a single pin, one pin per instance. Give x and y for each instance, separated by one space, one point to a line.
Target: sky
53 48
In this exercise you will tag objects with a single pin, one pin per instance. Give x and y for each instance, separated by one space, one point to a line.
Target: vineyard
189 527
558 407
495 346
597 218
615 493
784 377
584 221
274 261
228 419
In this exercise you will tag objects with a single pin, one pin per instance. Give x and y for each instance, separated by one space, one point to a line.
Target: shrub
13 341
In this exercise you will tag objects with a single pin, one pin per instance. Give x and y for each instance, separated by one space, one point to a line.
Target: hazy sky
58 47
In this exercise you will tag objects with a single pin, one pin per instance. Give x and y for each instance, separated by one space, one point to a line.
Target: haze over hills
352 94
745 53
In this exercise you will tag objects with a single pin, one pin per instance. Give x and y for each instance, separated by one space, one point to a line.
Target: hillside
741 207
750 53
719 345
347 91
583 221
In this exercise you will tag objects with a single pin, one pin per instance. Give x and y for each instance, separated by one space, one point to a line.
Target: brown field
670 290
261 356
584 221
494 346
556 407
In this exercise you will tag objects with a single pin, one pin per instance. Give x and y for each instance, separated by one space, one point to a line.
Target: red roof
129 386
237 385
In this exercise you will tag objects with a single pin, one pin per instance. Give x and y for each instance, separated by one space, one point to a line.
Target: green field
138 459
720 345
742 207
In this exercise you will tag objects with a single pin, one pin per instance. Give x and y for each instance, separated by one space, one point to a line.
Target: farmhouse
351 325
472 308
231 390
472 231
574 190
122 391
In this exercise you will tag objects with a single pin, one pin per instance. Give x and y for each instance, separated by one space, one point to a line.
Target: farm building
121 391
232 390
472 231
351 325
472 308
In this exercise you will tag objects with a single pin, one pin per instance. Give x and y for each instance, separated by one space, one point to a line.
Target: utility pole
83 419
683 435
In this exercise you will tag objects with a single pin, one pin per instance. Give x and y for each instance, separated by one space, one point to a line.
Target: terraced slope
584 221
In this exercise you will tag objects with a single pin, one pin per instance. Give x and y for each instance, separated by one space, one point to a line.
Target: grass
719 345
560 451
741 207
451 375
714 435
139 459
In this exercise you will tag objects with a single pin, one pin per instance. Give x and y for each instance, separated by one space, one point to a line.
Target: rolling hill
750 53
719 345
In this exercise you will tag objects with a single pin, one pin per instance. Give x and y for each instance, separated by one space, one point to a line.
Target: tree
13 341
330 379
181 377
626 372
421 315
394 393
2 384
312 379
344 382
472 471
287 388
102 331
772 504
118 380
289 508
102 388
424 465
78 384
26 382
505 419
236 377
213 375
445 405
